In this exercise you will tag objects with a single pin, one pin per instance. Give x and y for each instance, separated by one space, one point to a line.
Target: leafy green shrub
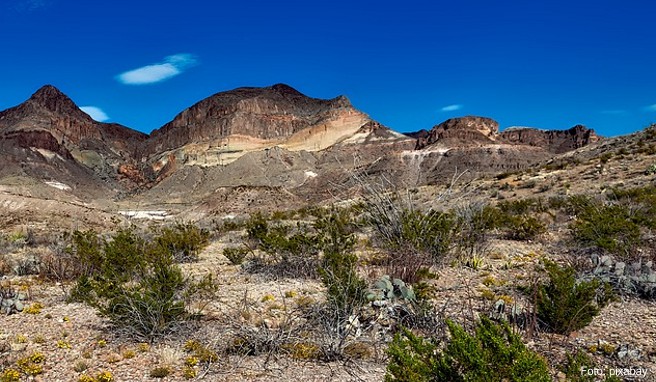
641 201
160 372
235 255
473 225
492 353
345 288
133 282
410 229
564 304
184 241
524 227
576 364
287 254
610 227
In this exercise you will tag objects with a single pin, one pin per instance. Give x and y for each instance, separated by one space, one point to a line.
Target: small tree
564 304
492 353
133 282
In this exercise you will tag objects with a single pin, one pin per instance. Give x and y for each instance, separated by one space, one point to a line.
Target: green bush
492 353
641 201
574 366
412 239
287 252
345 288
523 227
133 282
610 227
474 223
235 255
184 241
564 304
160 372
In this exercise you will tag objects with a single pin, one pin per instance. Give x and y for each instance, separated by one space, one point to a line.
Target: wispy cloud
27 6
452 107
650 107
95 112
162 71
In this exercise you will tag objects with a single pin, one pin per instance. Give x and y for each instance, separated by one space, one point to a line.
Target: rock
462 131
555 141
18 347
628 352
62 142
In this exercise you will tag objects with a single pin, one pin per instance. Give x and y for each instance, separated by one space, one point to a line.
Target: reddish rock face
555 141
269 113
460 131
476 131
51 121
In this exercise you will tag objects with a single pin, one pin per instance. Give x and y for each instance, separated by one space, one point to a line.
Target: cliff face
271 136
228 125
556 141
263 114
51 123
463 131
476 131
476 145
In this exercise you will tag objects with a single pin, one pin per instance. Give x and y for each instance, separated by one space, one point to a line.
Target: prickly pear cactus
386 289
11 301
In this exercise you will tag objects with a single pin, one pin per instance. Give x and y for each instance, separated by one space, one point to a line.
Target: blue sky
409 64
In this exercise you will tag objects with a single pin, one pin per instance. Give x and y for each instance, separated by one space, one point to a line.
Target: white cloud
451 107
28 6
150 74
651 107
95 112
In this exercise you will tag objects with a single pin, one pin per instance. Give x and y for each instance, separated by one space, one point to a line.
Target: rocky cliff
51 124
462 131
474 144
555 141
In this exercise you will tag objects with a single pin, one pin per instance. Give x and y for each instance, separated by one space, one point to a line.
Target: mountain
228 125
556 141
49 138
271 138
475 144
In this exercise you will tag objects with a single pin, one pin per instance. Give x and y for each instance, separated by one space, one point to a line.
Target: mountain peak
54 100
285 89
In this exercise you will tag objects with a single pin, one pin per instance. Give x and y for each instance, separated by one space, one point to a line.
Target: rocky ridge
256 137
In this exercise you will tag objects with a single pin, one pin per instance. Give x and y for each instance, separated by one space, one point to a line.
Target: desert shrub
134 282
411 229
184 241
286 252
606 226
345 288
60 263
523 227
640 201
605 157
235 255
160 372
492 353
473 225
412 239
565 304
517 218
575 366
523 206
